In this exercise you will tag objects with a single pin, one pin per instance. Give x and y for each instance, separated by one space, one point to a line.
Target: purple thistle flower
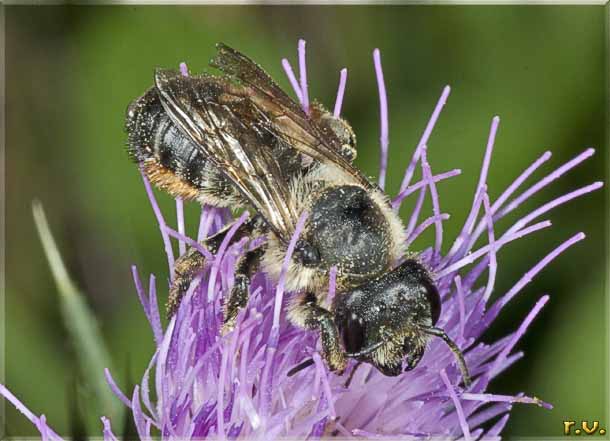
236 385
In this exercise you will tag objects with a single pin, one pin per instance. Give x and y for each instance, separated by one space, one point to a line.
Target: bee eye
433 298
353 334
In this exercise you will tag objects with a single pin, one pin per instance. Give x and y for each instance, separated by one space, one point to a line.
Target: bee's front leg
307 313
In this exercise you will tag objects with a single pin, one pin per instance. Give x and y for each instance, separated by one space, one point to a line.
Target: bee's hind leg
246 267
307 313
185 270
189 264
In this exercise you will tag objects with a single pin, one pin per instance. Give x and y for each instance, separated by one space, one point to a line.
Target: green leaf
90 349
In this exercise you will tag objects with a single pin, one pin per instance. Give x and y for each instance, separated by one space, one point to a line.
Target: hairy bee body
349 226
238 140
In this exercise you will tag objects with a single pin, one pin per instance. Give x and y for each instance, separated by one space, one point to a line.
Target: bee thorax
347 229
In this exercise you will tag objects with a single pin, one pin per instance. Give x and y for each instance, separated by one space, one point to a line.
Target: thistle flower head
201 384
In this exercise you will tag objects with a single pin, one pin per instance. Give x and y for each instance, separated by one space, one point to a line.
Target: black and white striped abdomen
152 135
170 159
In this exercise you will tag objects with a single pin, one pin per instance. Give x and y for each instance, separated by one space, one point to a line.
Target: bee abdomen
153 136
170 159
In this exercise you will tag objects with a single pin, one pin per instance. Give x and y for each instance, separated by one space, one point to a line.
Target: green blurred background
71 71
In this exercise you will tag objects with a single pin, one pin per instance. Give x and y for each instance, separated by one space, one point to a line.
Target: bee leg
246 267
189 264
310 315
185 270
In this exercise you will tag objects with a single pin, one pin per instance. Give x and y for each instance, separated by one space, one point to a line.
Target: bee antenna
299 367
437 332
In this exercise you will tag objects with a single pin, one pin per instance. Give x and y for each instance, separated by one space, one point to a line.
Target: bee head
380 321
387 322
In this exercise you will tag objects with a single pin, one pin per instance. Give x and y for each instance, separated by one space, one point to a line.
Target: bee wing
289 121
235 147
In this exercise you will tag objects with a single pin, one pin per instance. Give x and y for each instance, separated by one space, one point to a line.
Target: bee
238 140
